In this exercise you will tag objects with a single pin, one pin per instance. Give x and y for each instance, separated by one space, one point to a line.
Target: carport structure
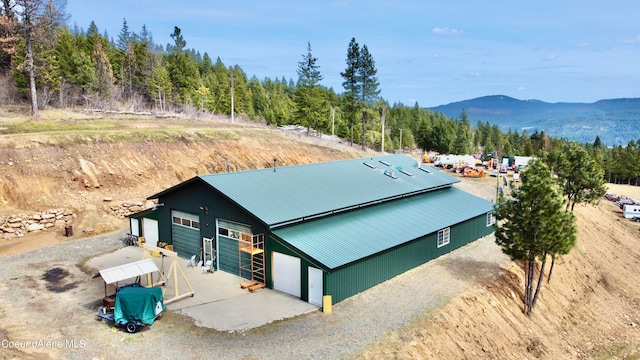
329 229
133 270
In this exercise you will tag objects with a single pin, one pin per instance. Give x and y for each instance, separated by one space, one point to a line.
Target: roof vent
425 170
390 174
406 173
369 165
384 162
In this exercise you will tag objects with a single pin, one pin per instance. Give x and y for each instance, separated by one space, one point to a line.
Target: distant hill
616 121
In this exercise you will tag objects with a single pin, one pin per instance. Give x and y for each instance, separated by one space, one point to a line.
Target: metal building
334 228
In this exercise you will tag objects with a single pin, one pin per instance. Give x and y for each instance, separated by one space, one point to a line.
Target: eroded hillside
589 310
88 163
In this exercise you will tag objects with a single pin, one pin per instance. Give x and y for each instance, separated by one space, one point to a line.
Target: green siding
343 238
361 275
186 241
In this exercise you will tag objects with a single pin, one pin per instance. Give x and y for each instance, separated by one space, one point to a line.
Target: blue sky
432 52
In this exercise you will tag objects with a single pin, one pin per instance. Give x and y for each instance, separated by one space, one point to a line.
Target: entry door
315 286
135 227
150 231
207 245
286 274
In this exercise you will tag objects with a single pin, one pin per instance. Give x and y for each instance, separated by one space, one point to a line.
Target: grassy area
58 128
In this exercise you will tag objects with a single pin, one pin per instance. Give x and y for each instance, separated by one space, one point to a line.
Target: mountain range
616 121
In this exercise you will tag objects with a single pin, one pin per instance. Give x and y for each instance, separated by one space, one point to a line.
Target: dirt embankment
589 310
93 171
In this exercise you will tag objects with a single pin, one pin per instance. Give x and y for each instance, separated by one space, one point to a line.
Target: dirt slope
590 310
90 169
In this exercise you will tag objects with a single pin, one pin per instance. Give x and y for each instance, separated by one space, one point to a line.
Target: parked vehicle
133 307
450 161
631 211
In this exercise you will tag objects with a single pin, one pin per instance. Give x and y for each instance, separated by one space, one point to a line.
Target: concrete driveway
218 301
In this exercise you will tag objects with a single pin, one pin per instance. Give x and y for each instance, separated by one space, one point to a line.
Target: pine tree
366 74
182 67
351 84
124 37
533 224
580 176
309 97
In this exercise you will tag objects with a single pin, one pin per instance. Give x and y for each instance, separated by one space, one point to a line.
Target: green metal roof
338 240
285 195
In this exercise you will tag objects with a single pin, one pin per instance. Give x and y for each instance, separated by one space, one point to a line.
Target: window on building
443 237
185 219
490 218
234 230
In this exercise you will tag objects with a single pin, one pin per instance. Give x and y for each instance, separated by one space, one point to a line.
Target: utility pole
232 111
400 147
384 111
333 120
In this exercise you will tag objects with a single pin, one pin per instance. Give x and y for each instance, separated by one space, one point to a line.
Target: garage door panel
150 231
228 255
185 241
286 274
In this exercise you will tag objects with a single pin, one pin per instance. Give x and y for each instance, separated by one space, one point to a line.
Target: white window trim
491 219
192 220
444 237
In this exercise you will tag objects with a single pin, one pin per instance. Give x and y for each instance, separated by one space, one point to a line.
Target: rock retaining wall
18 225
126 208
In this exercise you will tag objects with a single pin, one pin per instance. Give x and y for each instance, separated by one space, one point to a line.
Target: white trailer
631 211
451 160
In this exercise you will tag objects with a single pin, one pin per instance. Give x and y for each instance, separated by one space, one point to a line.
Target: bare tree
37 22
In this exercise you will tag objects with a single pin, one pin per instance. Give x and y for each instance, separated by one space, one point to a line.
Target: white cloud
550 57
633 40
446 31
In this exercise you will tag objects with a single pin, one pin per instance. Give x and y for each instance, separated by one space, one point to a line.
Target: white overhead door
150 231
286 273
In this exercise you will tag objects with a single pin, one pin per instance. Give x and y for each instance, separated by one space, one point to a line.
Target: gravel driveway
48 303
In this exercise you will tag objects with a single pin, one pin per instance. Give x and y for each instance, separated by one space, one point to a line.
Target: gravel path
33 308
33 312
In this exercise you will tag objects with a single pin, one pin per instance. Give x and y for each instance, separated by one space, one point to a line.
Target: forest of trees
45 62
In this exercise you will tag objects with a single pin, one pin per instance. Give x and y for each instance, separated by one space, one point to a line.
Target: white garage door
286 274
150 231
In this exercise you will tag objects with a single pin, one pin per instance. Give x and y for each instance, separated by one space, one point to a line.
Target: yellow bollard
326 304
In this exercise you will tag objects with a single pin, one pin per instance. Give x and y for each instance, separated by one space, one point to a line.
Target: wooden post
173 271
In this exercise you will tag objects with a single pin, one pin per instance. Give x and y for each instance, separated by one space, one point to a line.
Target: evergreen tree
533 224
182 68
124 37
309 97
579 176
366 74
464 137
351 84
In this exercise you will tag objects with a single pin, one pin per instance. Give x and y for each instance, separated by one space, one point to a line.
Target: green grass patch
30 126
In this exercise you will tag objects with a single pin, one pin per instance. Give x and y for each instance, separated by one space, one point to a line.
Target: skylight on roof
384 162
406 173
425 170
369 165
